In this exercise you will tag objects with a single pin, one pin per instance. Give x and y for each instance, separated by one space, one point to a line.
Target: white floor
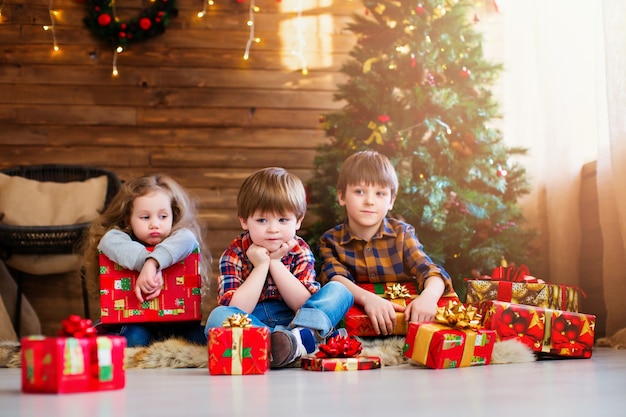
564 388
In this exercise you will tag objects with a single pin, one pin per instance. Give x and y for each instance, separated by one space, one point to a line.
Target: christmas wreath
151 21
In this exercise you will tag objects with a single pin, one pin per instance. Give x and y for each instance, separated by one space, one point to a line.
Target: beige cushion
44 264
26 202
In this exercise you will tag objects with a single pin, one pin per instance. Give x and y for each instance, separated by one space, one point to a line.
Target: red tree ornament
104 19
145 23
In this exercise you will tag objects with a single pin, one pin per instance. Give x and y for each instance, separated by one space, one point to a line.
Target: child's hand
283 250
423 308
257 254
382 313
149 281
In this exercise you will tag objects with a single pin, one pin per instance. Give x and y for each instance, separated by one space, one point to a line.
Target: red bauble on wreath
151 21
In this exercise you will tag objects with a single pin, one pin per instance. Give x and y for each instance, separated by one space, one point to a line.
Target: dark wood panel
260 118
150 57
72 114
167 77
164 97
79 155
245 138
232 158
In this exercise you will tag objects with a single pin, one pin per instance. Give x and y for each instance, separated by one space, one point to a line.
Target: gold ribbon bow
237 320
377 133
459 316
397 290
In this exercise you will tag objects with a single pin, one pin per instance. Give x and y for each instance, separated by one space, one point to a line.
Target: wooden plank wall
185 103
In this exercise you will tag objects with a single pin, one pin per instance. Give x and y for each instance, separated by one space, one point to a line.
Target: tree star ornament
151 21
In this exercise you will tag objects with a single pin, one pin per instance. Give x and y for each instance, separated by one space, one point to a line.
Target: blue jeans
321 312
144 334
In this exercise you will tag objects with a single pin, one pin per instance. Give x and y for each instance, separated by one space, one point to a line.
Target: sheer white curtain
612 166
550 107
563 92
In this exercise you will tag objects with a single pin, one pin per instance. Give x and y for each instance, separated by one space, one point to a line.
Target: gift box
340 353
440 345
72 364
180 298
358 363
546 331
238 350
516 285
357 323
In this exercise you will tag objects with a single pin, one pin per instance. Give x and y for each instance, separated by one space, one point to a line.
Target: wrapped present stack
543 316
356 321
546 331
340 353
76 361
238 348
180 298
455 339
516 285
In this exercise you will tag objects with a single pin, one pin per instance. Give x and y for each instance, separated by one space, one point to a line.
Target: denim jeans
321 312
143 334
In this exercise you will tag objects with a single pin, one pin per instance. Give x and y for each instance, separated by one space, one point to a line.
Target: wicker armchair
50 240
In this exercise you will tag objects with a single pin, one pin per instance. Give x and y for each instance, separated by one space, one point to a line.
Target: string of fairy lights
52 12
298 50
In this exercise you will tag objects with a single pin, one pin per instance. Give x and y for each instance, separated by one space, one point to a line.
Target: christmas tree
418 91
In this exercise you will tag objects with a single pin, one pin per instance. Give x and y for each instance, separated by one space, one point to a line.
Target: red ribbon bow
339 347
75 326
513 274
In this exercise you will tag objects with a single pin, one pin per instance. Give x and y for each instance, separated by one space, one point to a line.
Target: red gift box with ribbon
76 361
238 348
340 353
454 340
180 298
546 331
516 285
356 321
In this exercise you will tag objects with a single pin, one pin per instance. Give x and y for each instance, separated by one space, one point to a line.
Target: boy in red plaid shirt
268 271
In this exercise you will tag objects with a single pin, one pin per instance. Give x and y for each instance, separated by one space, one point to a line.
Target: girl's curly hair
117 216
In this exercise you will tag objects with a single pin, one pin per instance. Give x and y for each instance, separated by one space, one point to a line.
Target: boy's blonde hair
271 190
368 168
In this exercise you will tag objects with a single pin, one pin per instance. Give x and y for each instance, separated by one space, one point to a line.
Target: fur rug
176 353
617 341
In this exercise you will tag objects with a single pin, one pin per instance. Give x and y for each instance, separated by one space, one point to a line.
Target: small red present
180 298
440 344
546 331
357 323
516 285
238 348
358 363
78 362
340 353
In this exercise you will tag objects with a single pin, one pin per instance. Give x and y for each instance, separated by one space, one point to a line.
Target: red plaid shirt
235 267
